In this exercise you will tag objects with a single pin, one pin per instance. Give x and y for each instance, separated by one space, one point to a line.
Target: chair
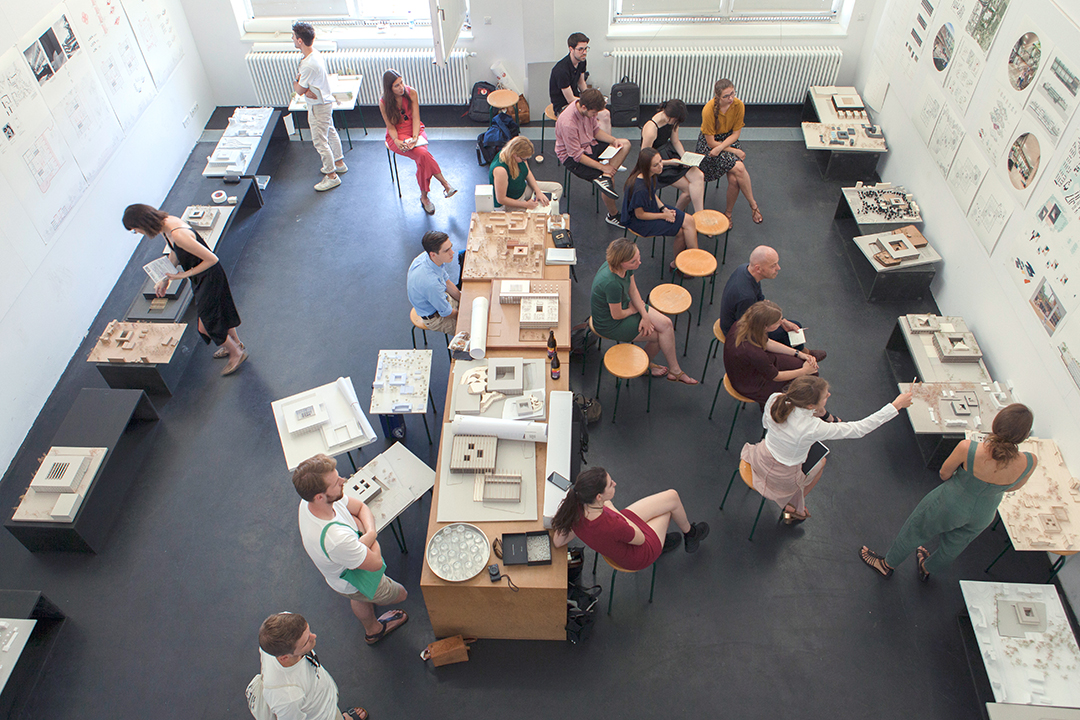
742 399
714 345
418 323
713 223
695 262
746 473
615 570
663 247
625 361
673 300
391 162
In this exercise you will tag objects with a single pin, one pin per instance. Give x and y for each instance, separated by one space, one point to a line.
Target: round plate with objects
458 552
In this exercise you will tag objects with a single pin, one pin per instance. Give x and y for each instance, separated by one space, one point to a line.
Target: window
345 12
725 11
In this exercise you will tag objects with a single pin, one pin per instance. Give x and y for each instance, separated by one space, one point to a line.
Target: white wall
79 267
971 283
519 33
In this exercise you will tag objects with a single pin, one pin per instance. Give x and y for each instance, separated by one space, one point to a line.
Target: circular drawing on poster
1023 160
1024 60
943 46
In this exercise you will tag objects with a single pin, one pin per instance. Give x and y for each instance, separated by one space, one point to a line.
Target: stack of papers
561 256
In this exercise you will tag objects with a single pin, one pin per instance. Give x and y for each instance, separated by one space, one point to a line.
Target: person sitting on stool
513 182
579 142
743 289
644 212
431 293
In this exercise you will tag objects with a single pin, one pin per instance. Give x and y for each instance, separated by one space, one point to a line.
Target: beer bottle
555 366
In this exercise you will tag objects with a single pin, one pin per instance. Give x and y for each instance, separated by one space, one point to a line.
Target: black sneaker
604 183
613 220
701 532
672 542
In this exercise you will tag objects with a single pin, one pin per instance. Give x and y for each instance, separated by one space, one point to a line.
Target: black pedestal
28 605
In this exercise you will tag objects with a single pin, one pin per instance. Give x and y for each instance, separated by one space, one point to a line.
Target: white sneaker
604 183
327 183
342 168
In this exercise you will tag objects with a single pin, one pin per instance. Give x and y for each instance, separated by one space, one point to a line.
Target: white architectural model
473 454
506 245
60 484
539 313
957 347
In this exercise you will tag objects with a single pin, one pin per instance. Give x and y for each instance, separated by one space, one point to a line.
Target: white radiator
762 75
272 74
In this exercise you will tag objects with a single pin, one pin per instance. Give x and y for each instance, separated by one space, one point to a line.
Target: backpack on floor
478 105
580 611
625 103
501 131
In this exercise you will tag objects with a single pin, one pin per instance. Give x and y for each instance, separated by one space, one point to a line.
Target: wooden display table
481 608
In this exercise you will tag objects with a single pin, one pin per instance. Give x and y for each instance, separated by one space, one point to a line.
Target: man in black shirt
568 79
743 289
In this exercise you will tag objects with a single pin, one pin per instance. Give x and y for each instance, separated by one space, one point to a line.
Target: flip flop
678 377
922 554
660 370
875 562
390 622
356 713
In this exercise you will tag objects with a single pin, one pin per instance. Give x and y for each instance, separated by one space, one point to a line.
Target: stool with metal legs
418 324
713 223
652 254
549 114
501 100
741 400
626 361
746 473
714 345
673 300
566 184
695 262
391 162
615 570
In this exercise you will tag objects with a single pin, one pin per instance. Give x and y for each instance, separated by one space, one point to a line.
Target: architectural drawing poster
103 29
1067 179
984 22
996 120
1023 163
34 157
926 109
964 72
72 92
989 211
948 132
1017 71
153 26
968 169
1054 99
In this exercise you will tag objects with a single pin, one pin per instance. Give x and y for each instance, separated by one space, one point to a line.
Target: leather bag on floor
448 651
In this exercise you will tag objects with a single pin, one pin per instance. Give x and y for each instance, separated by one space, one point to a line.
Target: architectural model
507 245
304 414
401 381
60 484
506 376
137 342
473 454
924 323
501 487
956 347
512 292
362 486
1045 513
883 203
201 217
900 248
539 313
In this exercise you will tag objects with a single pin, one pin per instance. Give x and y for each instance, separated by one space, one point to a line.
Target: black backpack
625 103
479 110
502 130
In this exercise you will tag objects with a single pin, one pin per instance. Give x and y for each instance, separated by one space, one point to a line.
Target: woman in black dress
661 132
218 318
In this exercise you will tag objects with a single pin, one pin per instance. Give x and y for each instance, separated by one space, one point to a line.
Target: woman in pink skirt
796 420
400 107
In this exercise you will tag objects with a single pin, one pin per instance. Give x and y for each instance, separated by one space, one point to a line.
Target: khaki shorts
446 324
387 592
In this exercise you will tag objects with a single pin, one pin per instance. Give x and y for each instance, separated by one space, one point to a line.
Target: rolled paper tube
345 388
478 330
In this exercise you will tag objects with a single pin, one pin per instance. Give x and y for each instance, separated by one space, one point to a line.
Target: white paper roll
478 330
500 428
345 387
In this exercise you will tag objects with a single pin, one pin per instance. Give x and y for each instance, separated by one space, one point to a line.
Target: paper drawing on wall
1053 100
985 20
1051 213
52 49
1047 306
944 42
9 132
62 31
1022 162
1067 178
42 163
39 62
1024 60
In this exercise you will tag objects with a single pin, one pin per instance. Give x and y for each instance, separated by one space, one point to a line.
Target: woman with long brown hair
796 420
661 133
721 124
631 537
400 108
976 476
757 365
644 212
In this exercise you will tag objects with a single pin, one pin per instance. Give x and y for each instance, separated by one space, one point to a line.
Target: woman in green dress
976 476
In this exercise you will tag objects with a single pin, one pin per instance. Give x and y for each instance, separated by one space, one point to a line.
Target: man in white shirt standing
339 536
295 684
313 84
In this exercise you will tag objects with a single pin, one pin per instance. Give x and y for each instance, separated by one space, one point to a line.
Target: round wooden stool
747 474
549 114
713 223
419 324
697 263
626 361
502 100
742 400
615 570
652 253
714 345
673 300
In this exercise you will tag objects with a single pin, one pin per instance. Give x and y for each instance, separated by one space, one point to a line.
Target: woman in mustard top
721 125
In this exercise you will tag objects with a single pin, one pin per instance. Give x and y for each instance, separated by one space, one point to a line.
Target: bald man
743 289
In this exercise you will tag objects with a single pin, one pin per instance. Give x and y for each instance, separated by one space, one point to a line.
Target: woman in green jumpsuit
976 475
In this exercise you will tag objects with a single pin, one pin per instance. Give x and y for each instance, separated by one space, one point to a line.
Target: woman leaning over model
214 304
721 124
661 133
631 537
400 108
513 181
976 475
795 421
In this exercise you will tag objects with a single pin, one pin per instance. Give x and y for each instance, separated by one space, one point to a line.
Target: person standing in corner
313 84
431 293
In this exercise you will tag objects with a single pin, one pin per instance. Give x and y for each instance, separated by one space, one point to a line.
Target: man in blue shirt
743 289
431 293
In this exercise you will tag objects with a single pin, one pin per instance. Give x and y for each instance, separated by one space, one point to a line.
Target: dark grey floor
163 622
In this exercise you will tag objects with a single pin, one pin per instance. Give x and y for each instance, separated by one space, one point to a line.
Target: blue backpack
501 131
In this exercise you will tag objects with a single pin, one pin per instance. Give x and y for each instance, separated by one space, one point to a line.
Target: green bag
366 581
